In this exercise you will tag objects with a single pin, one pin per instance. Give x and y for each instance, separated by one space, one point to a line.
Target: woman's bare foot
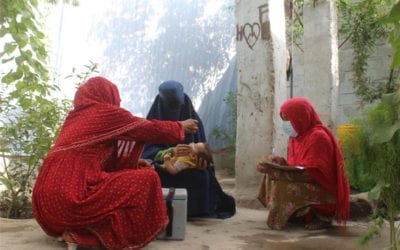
71 244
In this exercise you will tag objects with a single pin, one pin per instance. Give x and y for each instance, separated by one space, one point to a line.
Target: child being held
176 164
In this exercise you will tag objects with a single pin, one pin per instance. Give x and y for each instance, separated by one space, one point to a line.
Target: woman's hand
260 168
142 163
277 159
190 126
182 150
201 163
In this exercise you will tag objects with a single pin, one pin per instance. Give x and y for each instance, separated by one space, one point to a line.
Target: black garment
205 195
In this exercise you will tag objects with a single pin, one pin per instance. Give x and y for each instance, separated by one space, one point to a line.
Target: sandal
317 225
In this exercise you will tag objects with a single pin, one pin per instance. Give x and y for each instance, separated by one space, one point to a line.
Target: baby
176 164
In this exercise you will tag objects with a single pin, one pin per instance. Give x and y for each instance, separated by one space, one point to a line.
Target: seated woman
315 195
205 195
92 188
199 152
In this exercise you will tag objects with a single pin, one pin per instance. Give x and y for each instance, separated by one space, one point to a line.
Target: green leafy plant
365 24
226 158
361 26
27 137
81 77
30 113
380 134
228 134
352 141
393 18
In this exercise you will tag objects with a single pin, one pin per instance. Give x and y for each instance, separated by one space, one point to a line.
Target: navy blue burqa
205 195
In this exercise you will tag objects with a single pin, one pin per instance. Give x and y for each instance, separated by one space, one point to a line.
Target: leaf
375 192
8 78
385 120
3 32
19 60
25 103
20 86
396 60
6 60
392 98
40 35
6 182
384 133
393 16
10 47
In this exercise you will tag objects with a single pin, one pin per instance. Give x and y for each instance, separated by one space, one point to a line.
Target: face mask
288 129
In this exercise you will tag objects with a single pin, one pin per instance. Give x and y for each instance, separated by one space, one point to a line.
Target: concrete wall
321 57
261 64
321 72
378 70
348 105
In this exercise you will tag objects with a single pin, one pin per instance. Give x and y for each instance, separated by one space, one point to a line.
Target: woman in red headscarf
318 191
92 188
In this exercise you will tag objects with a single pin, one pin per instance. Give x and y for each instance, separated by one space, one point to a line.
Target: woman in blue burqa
205 195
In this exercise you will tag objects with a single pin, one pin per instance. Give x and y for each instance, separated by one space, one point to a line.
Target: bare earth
247 230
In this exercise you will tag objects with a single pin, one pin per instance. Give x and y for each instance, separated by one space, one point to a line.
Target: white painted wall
261 63
348 105
321 57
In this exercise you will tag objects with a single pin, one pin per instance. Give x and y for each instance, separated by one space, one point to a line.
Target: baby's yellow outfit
183 162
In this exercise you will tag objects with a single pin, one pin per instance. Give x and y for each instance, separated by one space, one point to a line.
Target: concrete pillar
261 63
321 77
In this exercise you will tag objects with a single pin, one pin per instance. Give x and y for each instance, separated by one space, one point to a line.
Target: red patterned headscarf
316 148
97 116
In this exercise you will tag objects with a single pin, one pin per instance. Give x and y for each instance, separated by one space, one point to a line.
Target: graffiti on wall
250 32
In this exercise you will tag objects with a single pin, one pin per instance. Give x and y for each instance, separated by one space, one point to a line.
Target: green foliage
24 53
356 171
380 147
352 140
364 24
30 115
361 26
393 17
81 77
228 135
24 105
27 135
374 230
295 22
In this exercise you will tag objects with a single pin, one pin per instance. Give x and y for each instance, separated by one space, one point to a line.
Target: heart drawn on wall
251 32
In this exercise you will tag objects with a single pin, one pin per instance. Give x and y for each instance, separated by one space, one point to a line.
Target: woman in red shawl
92 188
318 193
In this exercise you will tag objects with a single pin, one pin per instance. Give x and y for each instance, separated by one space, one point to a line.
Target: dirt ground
246 230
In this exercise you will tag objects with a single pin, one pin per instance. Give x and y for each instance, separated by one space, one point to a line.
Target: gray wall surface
349 104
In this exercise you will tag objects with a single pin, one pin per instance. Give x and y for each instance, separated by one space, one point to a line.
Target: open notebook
269 164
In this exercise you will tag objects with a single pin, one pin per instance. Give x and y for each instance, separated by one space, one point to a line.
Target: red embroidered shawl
97 116
79 187
317 150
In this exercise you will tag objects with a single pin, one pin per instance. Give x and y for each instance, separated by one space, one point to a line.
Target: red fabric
316 148
90 184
